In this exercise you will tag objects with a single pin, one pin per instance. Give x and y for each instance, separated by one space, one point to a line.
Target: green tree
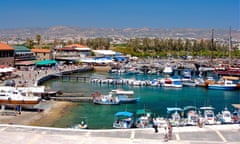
38 38
29 43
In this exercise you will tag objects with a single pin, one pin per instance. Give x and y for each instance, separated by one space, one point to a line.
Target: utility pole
212 41
230 46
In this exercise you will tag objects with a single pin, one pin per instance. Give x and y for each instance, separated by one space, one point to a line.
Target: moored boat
168 70
16 97
107 99
226 83
83 124
208 115
125 96
190 115
226 116
144 118
174 115
123 120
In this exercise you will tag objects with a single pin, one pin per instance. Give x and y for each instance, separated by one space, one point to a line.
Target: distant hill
66 32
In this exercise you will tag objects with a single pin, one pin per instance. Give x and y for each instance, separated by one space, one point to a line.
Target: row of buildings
19 56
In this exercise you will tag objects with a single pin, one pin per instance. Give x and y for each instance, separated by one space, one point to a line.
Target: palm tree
38 38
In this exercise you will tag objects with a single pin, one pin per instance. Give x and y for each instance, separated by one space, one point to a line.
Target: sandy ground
52 110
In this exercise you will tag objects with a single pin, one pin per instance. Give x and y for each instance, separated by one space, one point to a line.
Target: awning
46 62
128 114
236 105
24 63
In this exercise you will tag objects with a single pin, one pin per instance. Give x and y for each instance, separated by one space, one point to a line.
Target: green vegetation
143 47
176 48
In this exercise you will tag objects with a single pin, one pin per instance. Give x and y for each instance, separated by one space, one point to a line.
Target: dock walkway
211 134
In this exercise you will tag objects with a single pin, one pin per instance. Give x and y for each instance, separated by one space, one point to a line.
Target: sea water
156 99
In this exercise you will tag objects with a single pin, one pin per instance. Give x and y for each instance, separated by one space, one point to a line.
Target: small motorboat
208 115
226 116
123 120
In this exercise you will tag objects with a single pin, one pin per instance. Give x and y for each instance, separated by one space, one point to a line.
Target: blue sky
121 13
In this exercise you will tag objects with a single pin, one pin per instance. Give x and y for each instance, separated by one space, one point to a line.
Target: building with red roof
42 54
6 55
71 52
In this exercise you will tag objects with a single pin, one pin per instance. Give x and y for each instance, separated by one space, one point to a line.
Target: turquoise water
157 99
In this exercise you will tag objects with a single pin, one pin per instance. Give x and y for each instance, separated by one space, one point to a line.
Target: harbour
157 99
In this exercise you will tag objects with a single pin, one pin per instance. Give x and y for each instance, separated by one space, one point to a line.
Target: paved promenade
31 77
216 134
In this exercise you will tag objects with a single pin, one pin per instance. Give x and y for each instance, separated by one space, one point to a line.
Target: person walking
169 131
155 125
165 138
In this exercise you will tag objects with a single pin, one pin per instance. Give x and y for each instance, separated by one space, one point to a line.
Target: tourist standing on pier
155 125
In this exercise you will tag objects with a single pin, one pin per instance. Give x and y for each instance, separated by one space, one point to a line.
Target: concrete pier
211 134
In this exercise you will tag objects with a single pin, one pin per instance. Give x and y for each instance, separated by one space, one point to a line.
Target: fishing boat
174 115
125 96
190 115
226 83
144 118
107 99
123 120
208 115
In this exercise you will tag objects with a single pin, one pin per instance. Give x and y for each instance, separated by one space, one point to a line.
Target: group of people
167 130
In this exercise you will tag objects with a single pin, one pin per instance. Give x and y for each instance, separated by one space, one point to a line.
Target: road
216 134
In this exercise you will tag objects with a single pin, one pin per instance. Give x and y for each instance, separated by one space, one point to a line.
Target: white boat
123 120
107 99
144 118
125 96
208 115
17 97
191 116
226 116
168 70
32 89
224 84
174 115
172 82
190 83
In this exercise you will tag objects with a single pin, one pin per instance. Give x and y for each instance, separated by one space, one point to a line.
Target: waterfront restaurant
6 55
24 57
71 53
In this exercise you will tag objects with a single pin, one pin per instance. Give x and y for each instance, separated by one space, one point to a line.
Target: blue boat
123 120
226 83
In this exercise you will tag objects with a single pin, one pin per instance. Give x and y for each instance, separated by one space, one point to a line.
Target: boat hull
105 102
222 87
25 101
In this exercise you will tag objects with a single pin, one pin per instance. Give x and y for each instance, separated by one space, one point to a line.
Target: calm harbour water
157 99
